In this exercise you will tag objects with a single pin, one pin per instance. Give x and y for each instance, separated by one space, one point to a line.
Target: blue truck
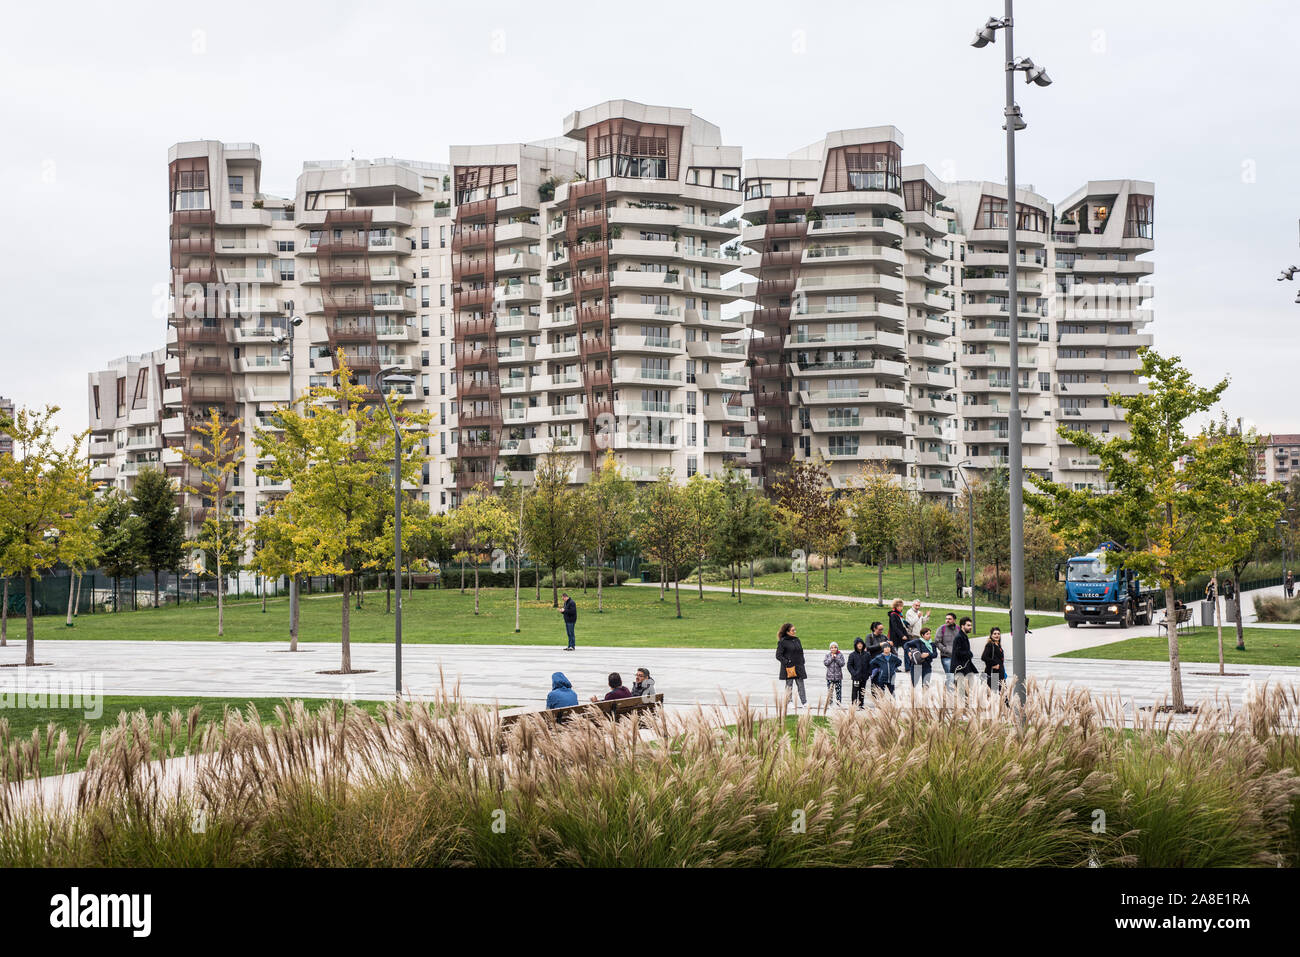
1097 595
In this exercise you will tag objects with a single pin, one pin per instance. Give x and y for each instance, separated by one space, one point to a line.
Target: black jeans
858 690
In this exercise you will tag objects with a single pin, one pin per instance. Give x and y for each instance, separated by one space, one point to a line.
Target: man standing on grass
570 613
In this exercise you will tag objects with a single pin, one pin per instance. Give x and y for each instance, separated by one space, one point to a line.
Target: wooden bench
1184 617
612 710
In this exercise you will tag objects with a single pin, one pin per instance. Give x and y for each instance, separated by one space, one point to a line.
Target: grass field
859 581
20 722
633 618
1264 646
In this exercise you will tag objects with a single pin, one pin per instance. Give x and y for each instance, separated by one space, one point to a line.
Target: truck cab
1095 594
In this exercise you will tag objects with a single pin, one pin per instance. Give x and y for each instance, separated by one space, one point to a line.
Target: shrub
1277 609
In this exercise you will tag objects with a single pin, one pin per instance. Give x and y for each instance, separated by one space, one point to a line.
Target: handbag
791 671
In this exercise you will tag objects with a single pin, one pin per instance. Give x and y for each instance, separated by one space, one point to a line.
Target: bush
1278 609
527 578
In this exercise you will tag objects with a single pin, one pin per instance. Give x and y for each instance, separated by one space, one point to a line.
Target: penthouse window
636 157
1138 222
993 215
919 195
872 166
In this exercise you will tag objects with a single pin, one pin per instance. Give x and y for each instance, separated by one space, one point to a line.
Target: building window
236 183
424 237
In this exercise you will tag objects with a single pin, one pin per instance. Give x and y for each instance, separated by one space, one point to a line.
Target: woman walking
834 662
994 659
789 652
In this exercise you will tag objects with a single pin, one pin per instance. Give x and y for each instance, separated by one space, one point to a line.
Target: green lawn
1264 646
860 581
633 618
18 723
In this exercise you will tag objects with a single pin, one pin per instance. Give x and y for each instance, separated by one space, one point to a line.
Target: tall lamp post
970 510
286 339
394 376
1014 121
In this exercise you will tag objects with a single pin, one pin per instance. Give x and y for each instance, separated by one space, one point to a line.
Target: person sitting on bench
562 694
616 688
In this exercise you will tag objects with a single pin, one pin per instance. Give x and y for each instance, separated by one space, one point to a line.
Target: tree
482 523
701 498
1247 509
1162 494
549 517
736 531
119 535
273 552
162 533
216 456
607 502
833 533
79 546
663 528
992 498
45 511
802 497
335 453
515 545
877 504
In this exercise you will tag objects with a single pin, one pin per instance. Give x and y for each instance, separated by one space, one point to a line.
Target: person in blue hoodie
562 694
884 666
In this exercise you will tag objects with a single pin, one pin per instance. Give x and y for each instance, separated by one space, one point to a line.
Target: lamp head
1288 273
987 33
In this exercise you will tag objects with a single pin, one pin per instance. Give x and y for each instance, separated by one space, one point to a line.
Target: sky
1200 98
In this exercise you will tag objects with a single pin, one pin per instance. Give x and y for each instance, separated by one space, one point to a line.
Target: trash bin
1229 610
1207 614
645 576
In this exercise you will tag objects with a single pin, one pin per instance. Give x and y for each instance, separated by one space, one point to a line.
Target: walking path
520 675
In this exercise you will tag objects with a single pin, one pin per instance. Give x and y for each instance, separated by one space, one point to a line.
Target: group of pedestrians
908 645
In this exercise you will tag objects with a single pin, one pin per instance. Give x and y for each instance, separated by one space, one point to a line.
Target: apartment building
589 298
853 259
630 285
881 321
269 289
6 411
1279 459
126 417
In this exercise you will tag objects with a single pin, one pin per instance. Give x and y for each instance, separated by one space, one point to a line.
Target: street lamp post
1014 121
970 510
392 376
286 339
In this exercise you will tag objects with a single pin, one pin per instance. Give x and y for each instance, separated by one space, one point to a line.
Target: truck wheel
1127 621
1073 624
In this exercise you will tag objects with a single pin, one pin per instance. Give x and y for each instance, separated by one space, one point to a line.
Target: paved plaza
520 675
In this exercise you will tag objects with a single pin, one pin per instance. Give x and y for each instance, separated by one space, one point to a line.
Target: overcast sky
1202 98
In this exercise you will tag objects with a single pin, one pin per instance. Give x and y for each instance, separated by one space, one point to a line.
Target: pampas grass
970 780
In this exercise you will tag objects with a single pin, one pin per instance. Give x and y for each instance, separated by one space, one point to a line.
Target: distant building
1279 457
6 410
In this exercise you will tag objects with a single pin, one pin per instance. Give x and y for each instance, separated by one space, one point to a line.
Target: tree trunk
31 627
699 574
537 581
346 665
4 616
677 593
1218 625
555 592
1175 668
263 578
913 574
77 600
926 567
476 588
155 593
600 581
72 580
462 576
584 573
293 614
1236 589
826 574
221 599
388 596
751 574
807 575
516 596
661 581
880 582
